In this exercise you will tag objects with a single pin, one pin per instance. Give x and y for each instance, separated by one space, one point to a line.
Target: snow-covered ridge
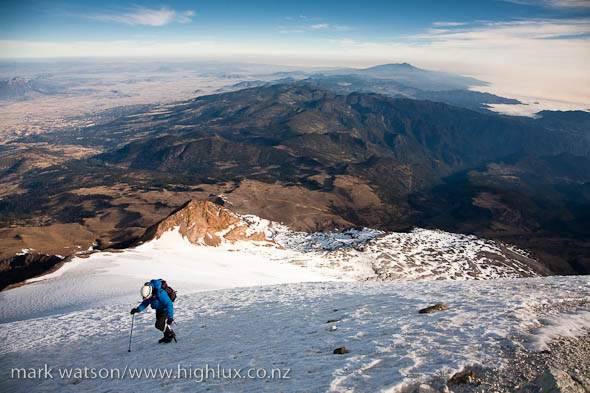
354 254
421 254
284 257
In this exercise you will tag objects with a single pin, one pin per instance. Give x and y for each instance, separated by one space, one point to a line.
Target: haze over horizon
532 51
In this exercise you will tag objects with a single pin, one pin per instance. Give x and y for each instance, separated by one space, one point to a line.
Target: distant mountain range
347 84
394 80
290 123
18 89
357 159
411 76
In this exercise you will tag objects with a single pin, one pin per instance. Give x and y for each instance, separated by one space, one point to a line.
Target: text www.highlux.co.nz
198 374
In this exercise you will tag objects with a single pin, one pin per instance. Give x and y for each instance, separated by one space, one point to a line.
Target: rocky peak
205 223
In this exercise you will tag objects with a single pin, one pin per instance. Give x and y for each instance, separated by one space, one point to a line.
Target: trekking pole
131 332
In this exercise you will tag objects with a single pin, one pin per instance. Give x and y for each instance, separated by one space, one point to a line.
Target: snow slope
284 326
106 277
266 305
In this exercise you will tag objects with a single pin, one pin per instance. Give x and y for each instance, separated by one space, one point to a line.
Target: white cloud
554 3
449 23
291 31
146 16
301 27
347 41
330 27
510 32
340 27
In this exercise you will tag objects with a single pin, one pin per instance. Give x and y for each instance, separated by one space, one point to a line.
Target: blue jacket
159 300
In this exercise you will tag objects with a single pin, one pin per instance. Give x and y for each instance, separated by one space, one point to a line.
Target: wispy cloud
449 23
509 32
146 16
340 27
554 3
327 26
303 24
290 31
536 57
345 42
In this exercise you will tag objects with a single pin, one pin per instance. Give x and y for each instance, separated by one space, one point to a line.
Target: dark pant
161 317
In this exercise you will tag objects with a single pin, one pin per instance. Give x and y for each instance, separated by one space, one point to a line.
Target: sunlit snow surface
292 257
230 313
421 254
103 278
285 326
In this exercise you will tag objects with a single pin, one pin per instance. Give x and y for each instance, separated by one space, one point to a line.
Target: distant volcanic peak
206 223
400 65
393 66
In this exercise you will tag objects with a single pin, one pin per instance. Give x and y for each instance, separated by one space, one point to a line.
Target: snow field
106 278
259 305
284 326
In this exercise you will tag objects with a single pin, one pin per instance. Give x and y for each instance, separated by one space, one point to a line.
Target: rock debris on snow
431 309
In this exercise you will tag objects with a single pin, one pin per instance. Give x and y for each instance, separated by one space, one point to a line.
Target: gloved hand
169 321
134 310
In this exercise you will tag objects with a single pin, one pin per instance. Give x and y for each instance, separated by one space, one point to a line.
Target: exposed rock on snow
23 266
466 376
435 308
340 351
418 255
205 223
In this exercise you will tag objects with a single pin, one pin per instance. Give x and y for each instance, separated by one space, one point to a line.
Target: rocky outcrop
435 308
22 267
205 223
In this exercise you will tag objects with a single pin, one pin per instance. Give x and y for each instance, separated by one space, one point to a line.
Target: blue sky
376 21
517 44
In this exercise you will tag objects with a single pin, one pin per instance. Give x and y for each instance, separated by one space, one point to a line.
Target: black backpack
171 292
